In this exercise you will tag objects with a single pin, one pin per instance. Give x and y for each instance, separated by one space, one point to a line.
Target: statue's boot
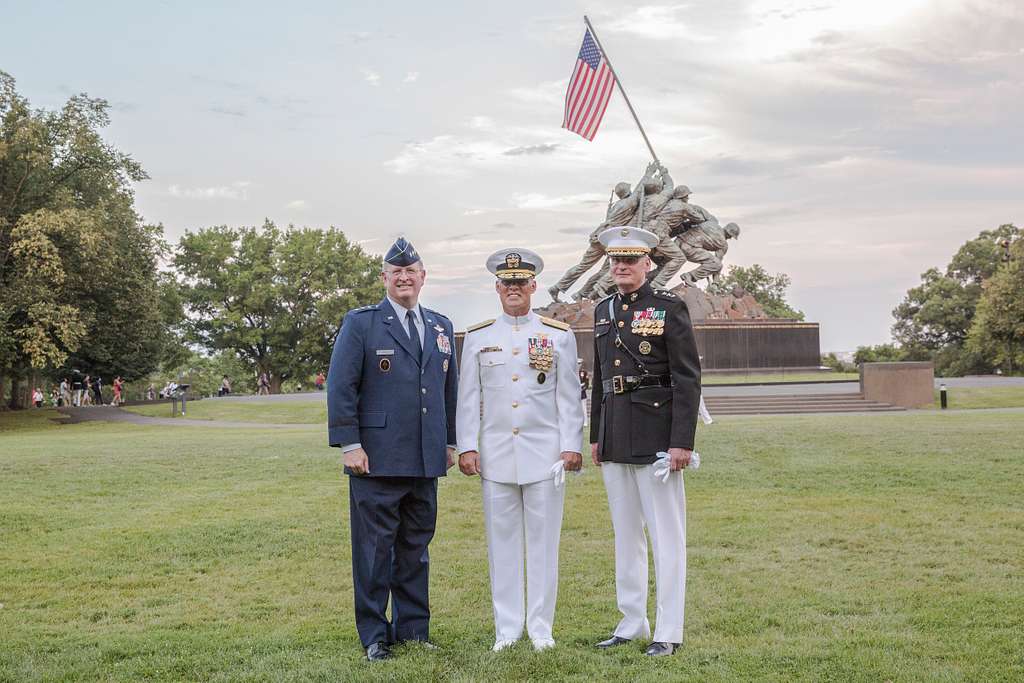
554 291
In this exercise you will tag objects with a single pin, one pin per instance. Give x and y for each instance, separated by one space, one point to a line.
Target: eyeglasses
509 284
625 260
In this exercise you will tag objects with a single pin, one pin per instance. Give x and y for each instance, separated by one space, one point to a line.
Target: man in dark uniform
392 390
646 393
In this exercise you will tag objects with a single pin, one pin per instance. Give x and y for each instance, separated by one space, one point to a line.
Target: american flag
590 88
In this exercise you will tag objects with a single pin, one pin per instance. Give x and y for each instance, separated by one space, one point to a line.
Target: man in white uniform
519 422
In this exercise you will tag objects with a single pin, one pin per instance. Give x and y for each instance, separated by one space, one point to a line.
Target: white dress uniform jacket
519 418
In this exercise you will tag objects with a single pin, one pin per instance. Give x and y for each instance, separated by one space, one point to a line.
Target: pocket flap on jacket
653 396
374 419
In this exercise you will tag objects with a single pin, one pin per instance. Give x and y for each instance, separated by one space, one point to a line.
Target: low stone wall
909 384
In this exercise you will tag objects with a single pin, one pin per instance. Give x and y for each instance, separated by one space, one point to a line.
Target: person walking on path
118 389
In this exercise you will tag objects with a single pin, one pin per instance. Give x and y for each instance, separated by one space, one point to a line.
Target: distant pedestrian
319 381
584 383
225 387
97 390
65 392
151 392
86 398
118 389
37 397
263 385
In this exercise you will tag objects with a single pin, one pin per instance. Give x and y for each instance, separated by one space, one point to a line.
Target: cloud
227 111
411 77
237 190
297 204
544 148
657 22
370 76
504 225
533 200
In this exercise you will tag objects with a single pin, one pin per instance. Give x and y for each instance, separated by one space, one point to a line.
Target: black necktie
414 334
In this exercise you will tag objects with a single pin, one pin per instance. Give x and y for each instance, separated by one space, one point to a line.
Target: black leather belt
621 384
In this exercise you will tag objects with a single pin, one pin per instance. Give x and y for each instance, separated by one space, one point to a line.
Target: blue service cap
401 254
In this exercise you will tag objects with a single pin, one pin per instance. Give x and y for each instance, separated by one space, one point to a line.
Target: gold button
655 404
424 411
515 378
515 404
515 352
618 362
515 430
423 390
625 307
622 324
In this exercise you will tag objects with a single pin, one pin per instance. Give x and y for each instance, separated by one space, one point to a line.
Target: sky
856 142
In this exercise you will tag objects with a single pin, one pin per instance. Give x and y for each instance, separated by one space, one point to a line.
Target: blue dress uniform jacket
399 407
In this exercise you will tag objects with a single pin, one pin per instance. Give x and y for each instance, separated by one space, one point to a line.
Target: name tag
385 352
490 349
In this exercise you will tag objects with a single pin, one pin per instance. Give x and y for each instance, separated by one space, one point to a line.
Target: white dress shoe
500 645
540 644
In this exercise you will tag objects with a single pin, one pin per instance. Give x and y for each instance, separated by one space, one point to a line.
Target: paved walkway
110 414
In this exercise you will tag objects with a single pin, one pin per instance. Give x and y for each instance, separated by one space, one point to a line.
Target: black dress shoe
614 641
378 652
661 649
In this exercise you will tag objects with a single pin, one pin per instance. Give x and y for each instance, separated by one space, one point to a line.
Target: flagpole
618 82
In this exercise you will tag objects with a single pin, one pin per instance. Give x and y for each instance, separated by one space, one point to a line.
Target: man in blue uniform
391 396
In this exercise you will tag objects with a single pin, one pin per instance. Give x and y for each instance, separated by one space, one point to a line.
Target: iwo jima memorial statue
732 330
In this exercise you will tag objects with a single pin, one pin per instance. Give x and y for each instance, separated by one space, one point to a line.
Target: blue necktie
414 335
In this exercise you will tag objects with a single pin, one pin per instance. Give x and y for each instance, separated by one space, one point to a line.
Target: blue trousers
392 520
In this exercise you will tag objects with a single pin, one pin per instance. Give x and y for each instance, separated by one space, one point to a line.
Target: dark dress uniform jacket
633 426
399 407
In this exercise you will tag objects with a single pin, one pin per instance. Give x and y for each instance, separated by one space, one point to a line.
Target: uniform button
515 404
622 324
515 430
656 404
618 362
424 411
423 390
515 352
515 378
625 307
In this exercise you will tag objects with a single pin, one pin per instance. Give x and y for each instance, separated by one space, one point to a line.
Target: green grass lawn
982 397
708 378
873 548
285 412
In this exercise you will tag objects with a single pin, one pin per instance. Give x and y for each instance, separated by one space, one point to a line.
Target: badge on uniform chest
444 345
648 323
542 353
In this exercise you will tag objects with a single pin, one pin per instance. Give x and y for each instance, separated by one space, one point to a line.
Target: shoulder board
479 326
364 309
442 316
558 324
604 300
666 294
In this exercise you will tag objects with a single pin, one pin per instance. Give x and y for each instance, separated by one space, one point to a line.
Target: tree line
88 287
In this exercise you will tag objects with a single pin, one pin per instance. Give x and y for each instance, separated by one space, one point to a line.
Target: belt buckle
618 384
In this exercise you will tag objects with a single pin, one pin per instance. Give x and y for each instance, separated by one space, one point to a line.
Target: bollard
942 396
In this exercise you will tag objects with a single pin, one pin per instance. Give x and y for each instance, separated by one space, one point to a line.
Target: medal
444 365
645 347
385 364
541 377
443 345
541 352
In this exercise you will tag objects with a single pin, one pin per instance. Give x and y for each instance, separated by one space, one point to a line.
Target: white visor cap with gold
515 264
628 241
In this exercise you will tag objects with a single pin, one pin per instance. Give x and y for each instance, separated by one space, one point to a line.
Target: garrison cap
401 254
628 241
515 264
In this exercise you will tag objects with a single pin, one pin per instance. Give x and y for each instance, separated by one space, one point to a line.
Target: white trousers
515 516
637 499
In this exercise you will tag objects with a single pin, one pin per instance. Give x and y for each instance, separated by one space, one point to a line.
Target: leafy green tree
77 267
934 318
273 297
769 290
997 332
881 353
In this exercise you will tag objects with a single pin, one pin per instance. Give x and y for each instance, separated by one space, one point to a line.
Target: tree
767 289
997 332
934 318
77 267
275 298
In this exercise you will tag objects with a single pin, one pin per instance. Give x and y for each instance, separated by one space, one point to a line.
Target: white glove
702 410
558 473
663 465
